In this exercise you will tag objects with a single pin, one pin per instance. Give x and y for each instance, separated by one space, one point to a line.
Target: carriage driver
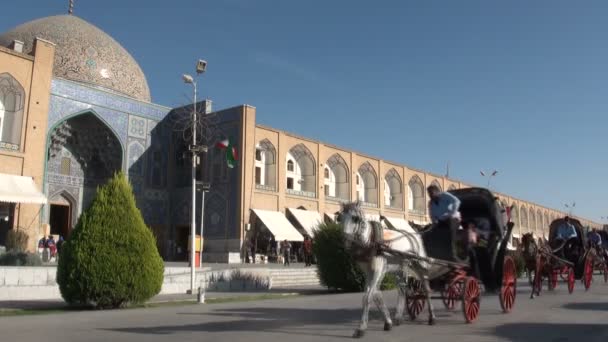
443 208
565 231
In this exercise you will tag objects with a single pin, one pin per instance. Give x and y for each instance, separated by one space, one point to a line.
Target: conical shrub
110 258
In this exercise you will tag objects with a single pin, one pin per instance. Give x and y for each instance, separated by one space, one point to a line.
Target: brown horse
529 252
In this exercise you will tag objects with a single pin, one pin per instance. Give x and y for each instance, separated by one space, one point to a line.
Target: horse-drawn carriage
485 259
601 263
571 260
423 262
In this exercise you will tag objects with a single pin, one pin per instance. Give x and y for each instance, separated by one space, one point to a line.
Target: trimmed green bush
389 282
520 263
335 266
16 258
16 240
110 259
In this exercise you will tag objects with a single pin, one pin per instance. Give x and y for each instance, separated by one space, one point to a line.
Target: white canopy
278 225
19 189
309 220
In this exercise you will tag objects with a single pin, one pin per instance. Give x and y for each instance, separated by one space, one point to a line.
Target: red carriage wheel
552 279
415 299
470 299
537 285
570 280
508 289
451 294
588 273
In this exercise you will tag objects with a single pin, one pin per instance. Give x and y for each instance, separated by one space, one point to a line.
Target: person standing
286 249
308 251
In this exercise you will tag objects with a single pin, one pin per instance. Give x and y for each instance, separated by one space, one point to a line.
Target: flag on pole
494 173
483 174
231 153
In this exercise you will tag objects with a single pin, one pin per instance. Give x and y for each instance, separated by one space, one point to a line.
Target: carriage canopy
580 231
480 202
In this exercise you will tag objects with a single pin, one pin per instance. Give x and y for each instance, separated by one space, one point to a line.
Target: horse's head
529 243
352 219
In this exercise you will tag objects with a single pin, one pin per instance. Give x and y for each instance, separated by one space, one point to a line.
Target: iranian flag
231 153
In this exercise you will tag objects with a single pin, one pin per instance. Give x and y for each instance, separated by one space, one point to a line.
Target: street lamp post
194 149
570 207
493 174
205 187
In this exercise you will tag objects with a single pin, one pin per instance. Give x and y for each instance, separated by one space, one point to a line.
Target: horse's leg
359 332
421 273
379 270
401 288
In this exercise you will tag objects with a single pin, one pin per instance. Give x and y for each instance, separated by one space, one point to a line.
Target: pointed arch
436 183
416 196
216 213
302 179
524 219
265 165
368 184
532 220
12 103
337 185
452 187
393 193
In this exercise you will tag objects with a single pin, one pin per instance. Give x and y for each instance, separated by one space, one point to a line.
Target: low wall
39 283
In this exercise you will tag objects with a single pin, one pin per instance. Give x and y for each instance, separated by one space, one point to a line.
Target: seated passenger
595 239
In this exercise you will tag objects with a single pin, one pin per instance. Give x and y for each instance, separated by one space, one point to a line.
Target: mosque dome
84 54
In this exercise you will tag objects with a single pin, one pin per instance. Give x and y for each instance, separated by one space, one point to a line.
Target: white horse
373 253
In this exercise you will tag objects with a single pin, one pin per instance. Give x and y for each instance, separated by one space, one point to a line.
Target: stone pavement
555 316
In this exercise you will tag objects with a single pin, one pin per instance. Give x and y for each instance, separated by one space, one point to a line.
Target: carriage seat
441 243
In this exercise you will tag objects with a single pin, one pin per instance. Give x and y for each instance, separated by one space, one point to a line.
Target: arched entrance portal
61 217
83 153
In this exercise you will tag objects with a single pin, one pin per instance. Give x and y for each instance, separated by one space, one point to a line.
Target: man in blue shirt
443 206
566 230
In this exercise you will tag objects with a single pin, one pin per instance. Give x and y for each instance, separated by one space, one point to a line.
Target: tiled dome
84 54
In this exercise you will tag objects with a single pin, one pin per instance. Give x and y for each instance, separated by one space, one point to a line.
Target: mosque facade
75 108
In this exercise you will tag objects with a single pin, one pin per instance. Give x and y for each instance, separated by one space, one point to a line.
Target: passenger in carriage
594 238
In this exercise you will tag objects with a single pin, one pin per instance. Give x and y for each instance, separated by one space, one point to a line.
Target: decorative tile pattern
134 163
137 127
84 53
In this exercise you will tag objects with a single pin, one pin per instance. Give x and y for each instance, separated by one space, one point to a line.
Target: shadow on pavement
552 332
278 320
587 306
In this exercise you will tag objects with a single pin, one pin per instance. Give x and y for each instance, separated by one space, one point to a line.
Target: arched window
436 183
525 226
12 100
301 171
265 166
326 173
393 195
368 184
338 185
416 203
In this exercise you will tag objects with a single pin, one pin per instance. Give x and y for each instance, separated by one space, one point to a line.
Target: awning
309 220
331 216
400 224
278 225
19 189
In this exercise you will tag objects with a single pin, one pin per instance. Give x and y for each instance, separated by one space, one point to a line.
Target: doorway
60 219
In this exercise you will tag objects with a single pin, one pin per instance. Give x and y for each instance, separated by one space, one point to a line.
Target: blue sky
516 86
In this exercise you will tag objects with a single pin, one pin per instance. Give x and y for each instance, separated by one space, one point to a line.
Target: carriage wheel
508 290
552 279
451 294
571 279
538 277
588 274
470 299
415 299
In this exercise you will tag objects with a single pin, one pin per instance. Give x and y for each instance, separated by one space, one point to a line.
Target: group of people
54 247
284 253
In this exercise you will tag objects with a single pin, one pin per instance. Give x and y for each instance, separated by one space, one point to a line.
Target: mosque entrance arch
83 153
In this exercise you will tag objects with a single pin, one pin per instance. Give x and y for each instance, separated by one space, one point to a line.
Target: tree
110 258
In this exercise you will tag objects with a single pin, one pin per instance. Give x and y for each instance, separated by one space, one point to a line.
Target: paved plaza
555 316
